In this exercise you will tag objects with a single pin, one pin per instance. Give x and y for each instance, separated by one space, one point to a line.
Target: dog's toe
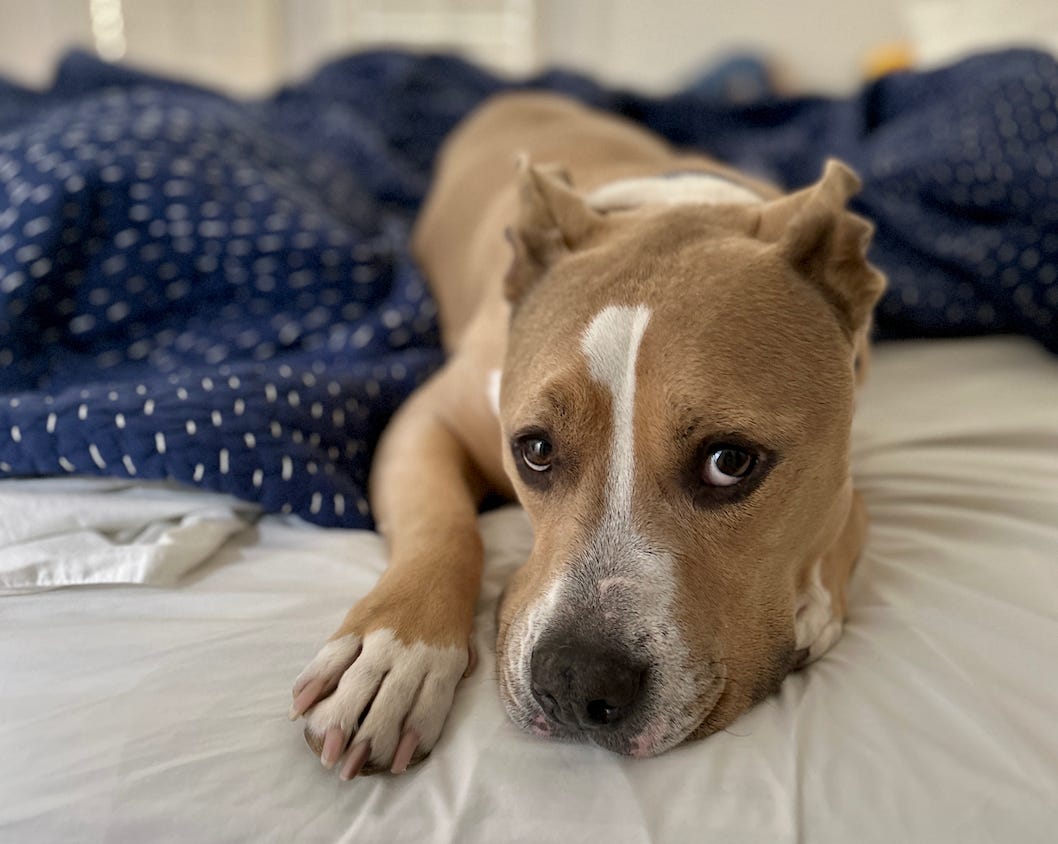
322 675
314 741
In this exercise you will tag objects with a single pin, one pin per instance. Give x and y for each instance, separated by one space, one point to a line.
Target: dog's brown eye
726 465
536 453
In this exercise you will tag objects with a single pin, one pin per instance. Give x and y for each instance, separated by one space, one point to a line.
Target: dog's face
676 403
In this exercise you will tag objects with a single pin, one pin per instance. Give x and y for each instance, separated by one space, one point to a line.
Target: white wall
31 34
249 46
817 43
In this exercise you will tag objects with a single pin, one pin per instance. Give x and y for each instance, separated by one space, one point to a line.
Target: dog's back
458 238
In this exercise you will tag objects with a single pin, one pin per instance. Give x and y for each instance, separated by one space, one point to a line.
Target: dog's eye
726 465
536 453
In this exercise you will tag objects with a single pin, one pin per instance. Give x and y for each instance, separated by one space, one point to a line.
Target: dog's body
677 345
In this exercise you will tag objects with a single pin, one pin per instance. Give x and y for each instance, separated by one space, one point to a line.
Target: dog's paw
376 701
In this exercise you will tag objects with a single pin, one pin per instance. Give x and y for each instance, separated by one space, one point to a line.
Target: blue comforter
220 293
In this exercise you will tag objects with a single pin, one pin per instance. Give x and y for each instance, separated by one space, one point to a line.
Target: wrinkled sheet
160 715
57 532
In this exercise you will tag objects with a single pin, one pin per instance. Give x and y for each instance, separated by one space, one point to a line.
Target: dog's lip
654 739
711 705
648 739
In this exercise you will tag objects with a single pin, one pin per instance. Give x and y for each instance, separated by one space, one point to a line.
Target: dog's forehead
687 261
732 335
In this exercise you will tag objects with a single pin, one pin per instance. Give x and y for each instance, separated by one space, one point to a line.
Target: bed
159 714
219 439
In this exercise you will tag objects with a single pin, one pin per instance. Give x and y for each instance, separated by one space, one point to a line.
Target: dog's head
676 405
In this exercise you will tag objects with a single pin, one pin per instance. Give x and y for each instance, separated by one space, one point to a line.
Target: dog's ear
826 243
552 221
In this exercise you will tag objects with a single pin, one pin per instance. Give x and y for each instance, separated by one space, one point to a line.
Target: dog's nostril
616 689
545 699
601 712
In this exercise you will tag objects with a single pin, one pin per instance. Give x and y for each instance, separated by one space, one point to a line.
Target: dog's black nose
584 686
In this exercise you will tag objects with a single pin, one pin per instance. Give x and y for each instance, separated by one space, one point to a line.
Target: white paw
377 701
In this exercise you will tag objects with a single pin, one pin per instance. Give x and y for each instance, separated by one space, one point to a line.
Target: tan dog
678 347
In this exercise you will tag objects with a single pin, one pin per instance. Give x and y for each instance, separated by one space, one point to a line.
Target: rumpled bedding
219 293
160 714
57 532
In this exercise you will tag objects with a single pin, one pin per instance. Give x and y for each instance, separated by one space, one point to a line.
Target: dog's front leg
380 690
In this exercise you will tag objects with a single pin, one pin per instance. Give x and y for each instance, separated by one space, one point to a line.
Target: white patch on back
611 345
679 189
815 626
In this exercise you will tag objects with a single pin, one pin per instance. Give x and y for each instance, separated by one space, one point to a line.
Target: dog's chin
651 734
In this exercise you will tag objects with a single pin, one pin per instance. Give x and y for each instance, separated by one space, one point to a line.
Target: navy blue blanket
220 293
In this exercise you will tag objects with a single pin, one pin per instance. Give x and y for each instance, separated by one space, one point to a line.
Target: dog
659 362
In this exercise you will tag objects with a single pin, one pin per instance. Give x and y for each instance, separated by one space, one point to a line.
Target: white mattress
139 714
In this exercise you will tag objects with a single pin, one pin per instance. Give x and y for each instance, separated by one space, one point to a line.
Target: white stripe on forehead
611 345
673 189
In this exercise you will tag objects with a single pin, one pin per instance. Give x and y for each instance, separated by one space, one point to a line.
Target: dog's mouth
651 736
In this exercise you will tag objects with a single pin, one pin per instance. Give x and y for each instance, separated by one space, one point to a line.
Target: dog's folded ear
826 243
552 221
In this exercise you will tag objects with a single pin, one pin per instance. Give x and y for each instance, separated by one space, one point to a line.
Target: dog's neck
682 188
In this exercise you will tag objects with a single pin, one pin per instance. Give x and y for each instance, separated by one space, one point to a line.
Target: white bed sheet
144 714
